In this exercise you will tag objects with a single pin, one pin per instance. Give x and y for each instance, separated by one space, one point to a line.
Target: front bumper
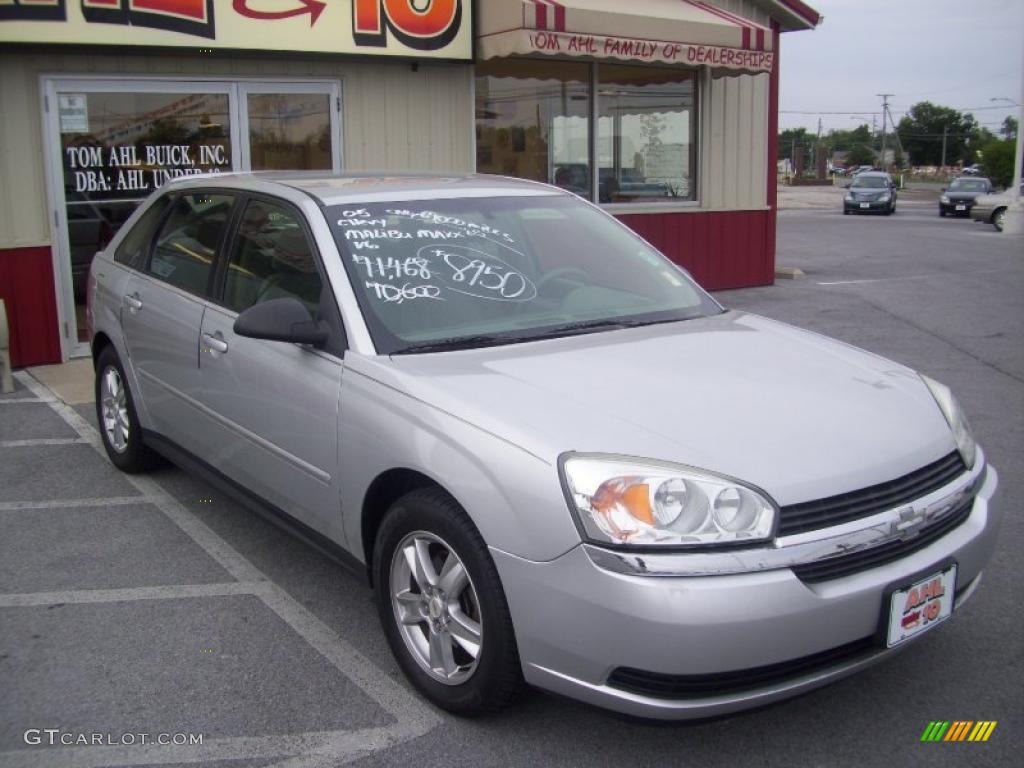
873 206
957 207
577 623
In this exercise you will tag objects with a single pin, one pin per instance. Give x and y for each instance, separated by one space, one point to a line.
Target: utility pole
944 127
885 113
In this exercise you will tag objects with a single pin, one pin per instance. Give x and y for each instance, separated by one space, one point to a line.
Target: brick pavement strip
412 717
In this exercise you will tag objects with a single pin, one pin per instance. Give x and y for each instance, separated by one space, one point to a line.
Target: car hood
868 191
961 195
795 413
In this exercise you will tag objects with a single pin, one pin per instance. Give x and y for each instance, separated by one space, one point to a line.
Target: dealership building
663 112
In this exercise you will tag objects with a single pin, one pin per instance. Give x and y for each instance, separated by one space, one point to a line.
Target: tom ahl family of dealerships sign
421 28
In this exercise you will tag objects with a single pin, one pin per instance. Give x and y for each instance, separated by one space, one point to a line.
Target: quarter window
271 259
189 240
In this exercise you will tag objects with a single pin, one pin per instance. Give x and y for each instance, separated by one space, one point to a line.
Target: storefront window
533 121
645 134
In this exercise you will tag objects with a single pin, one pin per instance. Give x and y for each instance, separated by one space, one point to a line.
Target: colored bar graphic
958 730
935 730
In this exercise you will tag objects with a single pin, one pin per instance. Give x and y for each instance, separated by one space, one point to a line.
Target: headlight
944 199
957 420
637 502
884 198
849 198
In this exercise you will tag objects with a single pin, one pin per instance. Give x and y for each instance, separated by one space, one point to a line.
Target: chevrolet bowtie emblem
908 523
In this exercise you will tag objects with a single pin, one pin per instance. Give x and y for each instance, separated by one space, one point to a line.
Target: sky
953 53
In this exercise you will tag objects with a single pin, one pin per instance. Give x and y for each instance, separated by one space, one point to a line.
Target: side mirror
846 185
284 319
942 189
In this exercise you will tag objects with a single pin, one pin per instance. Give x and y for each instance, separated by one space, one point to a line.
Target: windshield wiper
583 326
569 329
458 342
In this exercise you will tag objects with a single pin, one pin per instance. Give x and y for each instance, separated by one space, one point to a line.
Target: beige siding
734 131
392 118
745 8
734 142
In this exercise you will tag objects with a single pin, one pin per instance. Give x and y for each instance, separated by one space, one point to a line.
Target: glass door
112 143
290 126
116 142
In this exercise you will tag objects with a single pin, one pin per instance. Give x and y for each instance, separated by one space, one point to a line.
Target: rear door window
190 239
134 248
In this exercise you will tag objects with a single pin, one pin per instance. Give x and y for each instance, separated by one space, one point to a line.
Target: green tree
793 137
1009 128
860 154
921 131
997 158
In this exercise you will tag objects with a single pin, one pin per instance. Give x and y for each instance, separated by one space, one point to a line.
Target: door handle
214 343
133 302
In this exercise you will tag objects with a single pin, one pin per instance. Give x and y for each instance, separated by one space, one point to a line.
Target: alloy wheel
436 608
114 404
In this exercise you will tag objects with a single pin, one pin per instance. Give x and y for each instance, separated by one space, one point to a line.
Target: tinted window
134 249
188 241
870 182
271 258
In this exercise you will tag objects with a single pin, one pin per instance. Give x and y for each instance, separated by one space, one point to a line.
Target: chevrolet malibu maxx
558 461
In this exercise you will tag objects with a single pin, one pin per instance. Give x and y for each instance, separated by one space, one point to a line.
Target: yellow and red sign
421 28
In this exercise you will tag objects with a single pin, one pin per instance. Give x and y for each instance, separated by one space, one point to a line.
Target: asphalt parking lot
154 604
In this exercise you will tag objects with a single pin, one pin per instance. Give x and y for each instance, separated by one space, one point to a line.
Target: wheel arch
384 490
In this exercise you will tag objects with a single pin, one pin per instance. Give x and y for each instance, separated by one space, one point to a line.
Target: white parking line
40 441
80 596
113 501
20 400
943 275
413 717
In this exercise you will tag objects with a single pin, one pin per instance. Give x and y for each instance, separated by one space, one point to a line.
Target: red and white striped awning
690 32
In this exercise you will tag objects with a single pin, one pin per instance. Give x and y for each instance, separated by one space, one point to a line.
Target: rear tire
442 607
118 421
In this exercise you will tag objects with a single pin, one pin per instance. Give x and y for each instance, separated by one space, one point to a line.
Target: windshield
869 182
465 272
968 185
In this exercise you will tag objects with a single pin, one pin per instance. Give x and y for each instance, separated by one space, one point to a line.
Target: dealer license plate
961 207
865 205
921 606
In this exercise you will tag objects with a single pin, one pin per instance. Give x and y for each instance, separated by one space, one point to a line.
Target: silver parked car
558 460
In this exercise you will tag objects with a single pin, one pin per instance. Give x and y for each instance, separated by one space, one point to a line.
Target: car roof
866 174
972 178
340 188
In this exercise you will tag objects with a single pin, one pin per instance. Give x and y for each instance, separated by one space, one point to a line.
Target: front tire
942 212
117 418
442 607
998 218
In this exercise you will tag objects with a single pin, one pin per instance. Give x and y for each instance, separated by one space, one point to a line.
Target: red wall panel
721 249
26 286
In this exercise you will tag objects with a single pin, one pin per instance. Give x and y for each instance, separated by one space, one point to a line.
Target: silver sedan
557 460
